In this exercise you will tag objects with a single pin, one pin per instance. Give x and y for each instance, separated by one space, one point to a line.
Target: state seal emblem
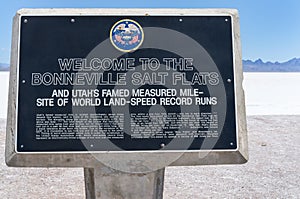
126 35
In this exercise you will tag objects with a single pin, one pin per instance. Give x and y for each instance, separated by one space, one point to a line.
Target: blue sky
270 29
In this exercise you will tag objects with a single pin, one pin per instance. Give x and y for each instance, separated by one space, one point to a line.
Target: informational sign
126 83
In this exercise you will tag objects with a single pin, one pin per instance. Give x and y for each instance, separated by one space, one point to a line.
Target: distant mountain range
4 67
292 65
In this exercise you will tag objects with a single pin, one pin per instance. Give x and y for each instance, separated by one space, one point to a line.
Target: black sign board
126 83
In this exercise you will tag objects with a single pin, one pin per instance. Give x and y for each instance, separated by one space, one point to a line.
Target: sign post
104 182
125 93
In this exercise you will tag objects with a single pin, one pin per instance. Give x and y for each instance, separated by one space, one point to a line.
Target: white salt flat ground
266 93
272 93
4 78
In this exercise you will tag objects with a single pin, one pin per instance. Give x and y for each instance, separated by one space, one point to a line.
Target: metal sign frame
92 159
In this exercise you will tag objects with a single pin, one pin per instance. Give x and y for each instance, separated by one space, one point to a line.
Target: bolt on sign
98 83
